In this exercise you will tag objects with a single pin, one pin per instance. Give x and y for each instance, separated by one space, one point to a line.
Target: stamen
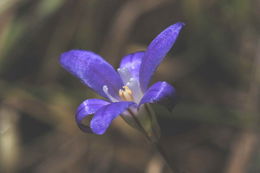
105 89
126 94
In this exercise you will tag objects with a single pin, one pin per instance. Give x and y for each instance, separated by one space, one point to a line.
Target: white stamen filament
105 89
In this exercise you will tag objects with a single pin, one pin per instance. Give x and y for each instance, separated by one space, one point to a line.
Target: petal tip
65 56
181 24
97 128
62 58
177 26
98 132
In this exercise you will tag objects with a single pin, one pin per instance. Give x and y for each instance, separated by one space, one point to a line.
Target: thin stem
139 125
150 114
156 145
159 148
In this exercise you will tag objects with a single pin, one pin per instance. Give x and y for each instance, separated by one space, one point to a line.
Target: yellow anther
126 94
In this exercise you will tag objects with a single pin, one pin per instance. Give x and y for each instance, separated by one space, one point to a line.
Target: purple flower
124 89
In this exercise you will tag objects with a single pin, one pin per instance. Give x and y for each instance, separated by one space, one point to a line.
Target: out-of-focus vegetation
214 65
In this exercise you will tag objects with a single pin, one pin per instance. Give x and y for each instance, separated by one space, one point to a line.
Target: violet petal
104 116
160 92
132 63
87 108
156 51
93 71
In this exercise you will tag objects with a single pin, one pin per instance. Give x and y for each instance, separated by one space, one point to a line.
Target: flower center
131 89
126 94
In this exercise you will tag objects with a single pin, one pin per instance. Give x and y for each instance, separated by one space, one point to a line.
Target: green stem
156 145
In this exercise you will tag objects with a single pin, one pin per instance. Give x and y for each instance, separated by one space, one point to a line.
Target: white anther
126 94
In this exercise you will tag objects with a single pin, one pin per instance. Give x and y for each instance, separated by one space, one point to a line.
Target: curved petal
156 51
104 116
161 92
87 108
93 70
132 63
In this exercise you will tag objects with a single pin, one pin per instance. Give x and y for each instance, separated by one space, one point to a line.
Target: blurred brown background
214 65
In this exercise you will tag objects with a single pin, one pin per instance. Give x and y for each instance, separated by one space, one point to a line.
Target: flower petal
132 63
156 51
87 108
160 92
104 116
93 70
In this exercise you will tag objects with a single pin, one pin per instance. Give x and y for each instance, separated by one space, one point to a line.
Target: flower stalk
153 140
